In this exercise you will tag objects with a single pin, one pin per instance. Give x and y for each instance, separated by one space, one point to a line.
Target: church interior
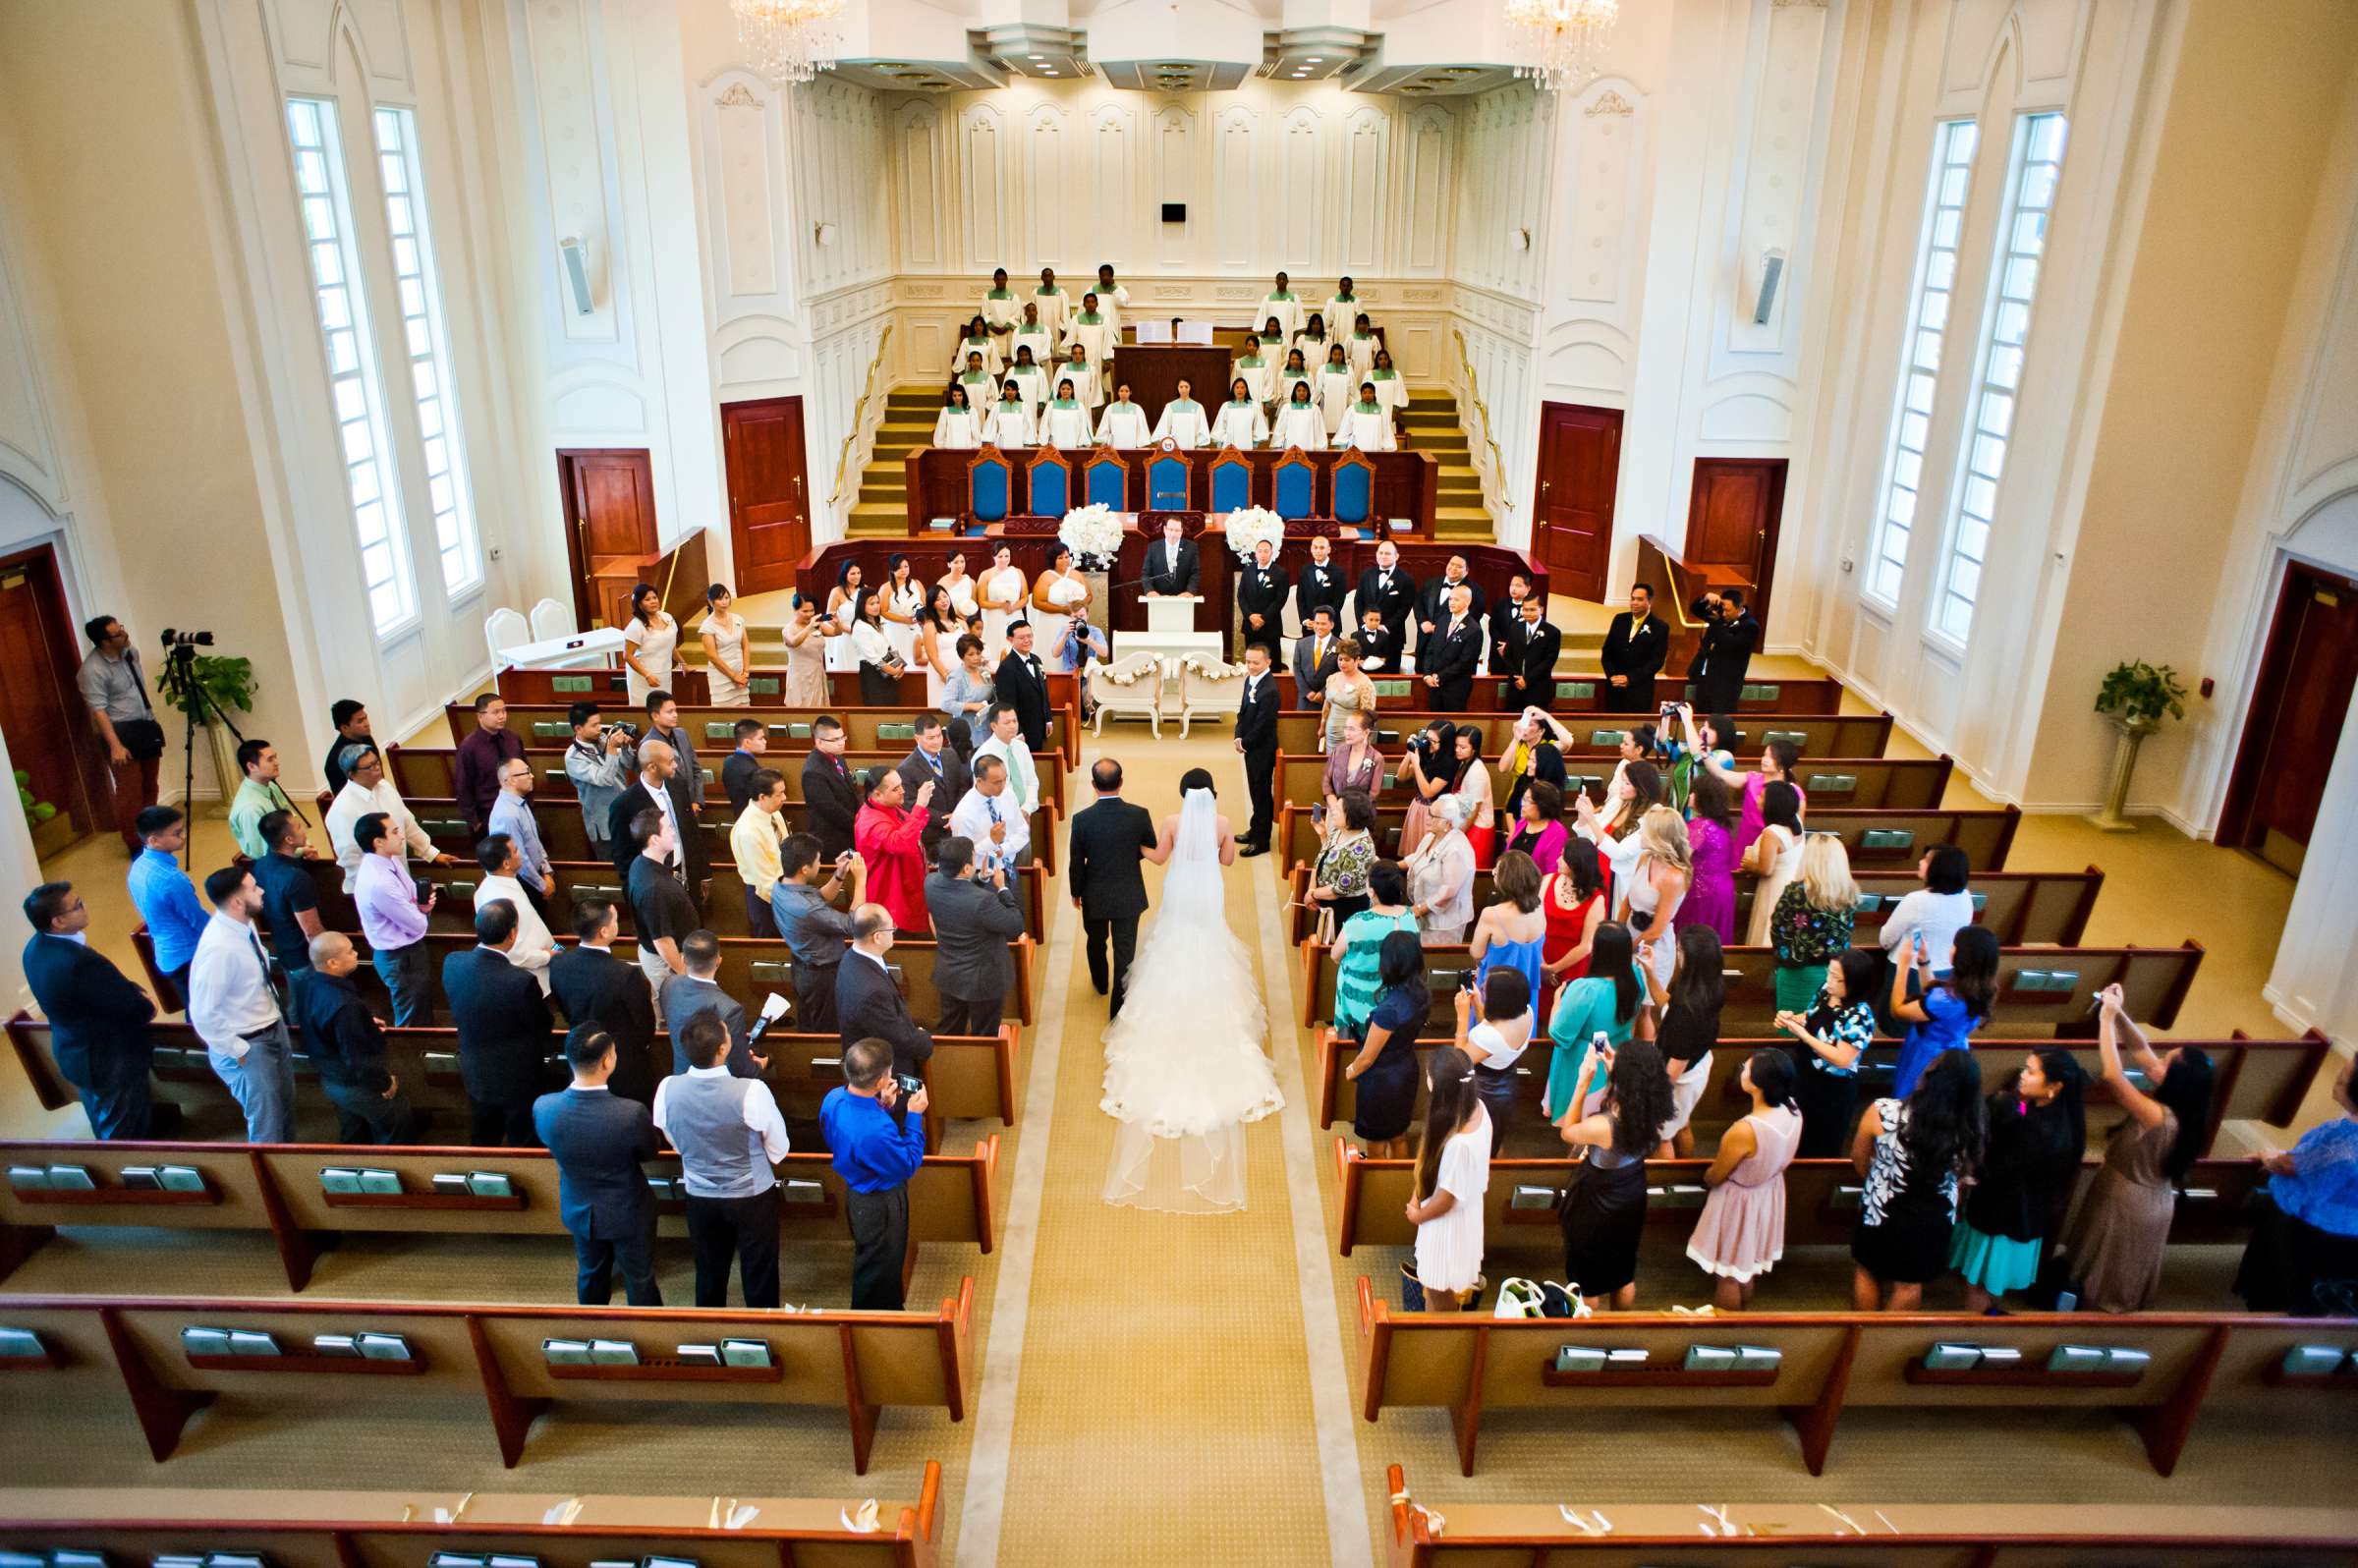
1971 385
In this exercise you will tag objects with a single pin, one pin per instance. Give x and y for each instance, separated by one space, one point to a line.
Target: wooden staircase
1430 425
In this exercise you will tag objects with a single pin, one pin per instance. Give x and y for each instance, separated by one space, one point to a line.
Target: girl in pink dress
1741 1232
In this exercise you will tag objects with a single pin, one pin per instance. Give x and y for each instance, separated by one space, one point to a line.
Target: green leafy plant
2137 696
227 684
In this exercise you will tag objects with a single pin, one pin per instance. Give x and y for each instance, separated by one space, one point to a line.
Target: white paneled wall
1506 136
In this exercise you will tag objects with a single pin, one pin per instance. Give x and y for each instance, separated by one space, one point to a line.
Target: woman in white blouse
1003 592
1299 423
903 597
1183 420
878 664
1124 422
956 427
1240 422
843 605
648 644
1064 422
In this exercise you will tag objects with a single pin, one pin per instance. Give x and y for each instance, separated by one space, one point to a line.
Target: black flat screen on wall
1174 212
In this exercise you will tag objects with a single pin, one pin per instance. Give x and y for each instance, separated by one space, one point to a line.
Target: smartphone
909 1084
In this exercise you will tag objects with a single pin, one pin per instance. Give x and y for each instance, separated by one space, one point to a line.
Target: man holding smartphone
875 1159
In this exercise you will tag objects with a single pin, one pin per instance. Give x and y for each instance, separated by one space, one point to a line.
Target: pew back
1875 840
1596 735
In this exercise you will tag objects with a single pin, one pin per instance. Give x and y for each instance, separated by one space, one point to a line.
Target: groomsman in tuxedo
1172 563
1391 593
1021 683
1256 739
1260 599
1527 675
1322 584
1314 658
1432 604
1507 623
1635 645
1379 644
1451 650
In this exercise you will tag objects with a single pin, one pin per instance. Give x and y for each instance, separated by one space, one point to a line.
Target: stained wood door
1579 473
2299 706
1732 518
609 496
50 734
770 514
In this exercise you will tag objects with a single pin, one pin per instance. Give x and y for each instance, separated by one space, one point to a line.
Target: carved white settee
1207 685
1131 684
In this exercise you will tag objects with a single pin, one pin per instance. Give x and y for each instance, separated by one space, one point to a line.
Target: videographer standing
1730 637
111 683
601 761
875 1159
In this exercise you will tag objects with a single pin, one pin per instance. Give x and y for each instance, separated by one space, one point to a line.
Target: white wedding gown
1184 1065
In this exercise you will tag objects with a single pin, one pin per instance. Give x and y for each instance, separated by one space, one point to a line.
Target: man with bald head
348 1047
657 763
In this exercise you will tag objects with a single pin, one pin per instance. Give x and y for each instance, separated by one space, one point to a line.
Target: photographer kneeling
876 1160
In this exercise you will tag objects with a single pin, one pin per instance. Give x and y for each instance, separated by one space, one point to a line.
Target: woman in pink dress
1711 846
1741 1232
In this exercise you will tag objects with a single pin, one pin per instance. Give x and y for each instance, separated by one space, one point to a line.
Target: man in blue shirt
165 897
876 1160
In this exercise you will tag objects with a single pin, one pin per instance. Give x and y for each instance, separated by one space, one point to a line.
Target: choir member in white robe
981 385
1001 308
1299 423
978 340
1064 422
1295 371
1033 376
1009 422
1285 304
1313 340
1255 371
1342 307
1092 331
1183 420
1337 387
1083 371
1240 422
1112 298
1054 305
1368 427
1360 346
1391 387
956 424
1124 422
1034 331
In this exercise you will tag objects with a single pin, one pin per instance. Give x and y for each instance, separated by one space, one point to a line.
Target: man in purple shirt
165 897
475 778
393 920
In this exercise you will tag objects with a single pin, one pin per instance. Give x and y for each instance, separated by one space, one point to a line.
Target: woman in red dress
1573 900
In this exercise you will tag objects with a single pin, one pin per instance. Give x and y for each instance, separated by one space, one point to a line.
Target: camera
181 640
624 727
1669 710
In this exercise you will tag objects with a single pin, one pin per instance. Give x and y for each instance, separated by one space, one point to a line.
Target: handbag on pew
1541 1298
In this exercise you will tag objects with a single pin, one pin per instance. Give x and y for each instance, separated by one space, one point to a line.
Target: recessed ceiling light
1461 71
1413 88
1047 71
1314 59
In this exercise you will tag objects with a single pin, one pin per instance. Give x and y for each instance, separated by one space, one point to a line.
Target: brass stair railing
860 420
1494 474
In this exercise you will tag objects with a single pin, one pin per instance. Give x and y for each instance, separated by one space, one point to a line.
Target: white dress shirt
351 803
535 947
764 1126
971 817
229 985
1023 778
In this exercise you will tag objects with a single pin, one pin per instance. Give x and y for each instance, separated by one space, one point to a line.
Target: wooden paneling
1580 470
769 522
1732 519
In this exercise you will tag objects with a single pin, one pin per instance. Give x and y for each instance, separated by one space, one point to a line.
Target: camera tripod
180 661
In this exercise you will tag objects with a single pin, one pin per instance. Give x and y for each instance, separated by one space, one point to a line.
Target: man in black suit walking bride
1109 839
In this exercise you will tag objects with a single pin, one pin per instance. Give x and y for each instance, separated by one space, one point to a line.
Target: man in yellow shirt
755 840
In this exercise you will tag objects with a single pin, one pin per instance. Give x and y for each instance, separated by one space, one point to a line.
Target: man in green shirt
256 798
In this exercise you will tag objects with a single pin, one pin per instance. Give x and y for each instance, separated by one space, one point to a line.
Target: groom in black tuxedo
1256 738
1109 839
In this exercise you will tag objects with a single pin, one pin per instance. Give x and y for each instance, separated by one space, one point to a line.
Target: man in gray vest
729 1134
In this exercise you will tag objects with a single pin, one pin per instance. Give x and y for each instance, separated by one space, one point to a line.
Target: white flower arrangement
1248 526
1092 532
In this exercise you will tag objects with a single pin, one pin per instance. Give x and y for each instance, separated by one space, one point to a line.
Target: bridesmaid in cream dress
1003 595
903 597
843 607
727 673
961 584
1775 855
649 645
939 625
806 635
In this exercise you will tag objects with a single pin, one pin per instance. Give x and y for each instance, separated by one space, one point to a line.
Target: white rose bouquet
1248 526
1091 532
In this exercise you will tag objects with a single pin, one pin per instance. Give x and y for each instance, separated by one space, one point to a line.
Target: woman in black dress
1833 1036
2038 1134
1386 1068
1604 1212
1914 1153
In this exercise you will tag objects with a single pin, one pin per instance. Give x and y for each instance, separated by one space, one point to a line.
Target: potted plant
52 829
2136 697
201 685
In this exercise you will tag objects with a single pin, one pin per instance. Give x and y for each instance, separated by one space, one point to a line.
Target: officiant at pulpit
1172 567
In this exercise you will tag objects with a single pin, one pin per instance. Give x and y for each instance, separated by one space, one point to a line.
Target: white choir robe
1064 424
956 427
1097 338
1183 422
1240 424
1037 338
1391 388
1084 378
1313 350
1001 308
1281 389
1339 389
981 390
1259 373
1033 381
1286 307
1113 306
1055 307
988 347
1301 425
1341 312
1363 352
1366 430
1009 424
1122 425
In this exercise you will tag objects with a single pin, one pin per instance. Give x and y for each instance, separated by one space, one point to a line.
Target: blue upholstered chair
1231 481
1293 486
1166 482
1354 489
1052 481
990 489
1105 481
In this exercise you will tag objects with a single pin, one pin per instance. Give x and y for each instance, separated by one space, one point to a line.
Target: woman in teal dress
1609 1000
1358 947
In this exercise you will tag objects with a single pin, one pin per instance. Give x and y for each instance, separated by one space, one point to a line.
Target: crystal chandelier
1566 39
786 40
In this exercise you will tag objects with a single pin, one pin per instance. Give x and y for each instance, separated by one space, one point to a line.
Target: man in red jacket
892 840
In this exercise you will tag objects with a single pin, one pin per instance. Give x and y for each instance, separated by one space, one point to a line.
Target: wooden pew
969 1077
1586 693
1599 735
2257 1080
304 1530
278 1188
1822 1203
1827 1363
860 1362
1846 783
1875 840
712 730
1921 1536
2038 987
2025 908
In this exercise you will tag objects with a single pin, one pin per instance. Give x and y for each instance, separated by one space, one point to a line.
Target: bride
1184 1067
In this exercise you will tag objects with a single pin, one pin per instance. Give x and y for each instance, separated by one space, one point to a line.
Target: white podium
1170 636
1171 612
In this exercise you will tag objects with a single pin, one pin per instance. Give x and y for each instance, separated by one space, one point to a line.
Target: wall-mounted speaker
576 260
1772 272
1174 212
